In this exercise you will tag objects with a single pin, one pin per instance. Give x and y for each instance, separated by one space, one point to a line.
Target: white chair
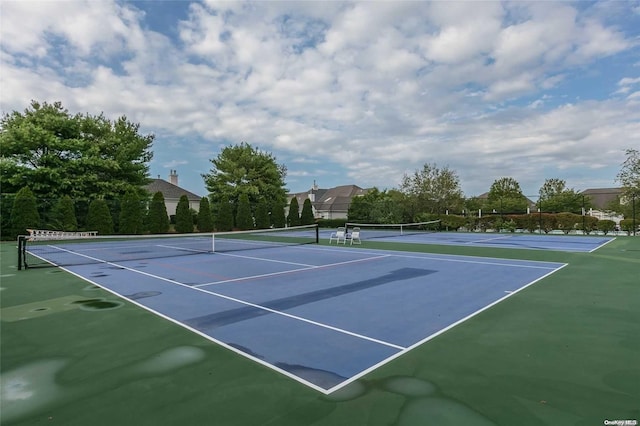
355 236
338 235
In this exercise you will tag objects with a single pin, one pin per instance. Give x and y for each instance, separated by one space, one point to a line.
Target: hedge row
547 222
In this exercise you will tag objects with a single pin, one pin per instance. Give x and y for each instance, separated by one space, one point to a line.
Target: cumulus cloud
374 89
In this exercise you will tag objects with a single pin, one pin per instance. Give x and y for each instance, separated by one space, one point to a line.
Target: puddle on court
29 388
171 359
98 304
423 402
57 305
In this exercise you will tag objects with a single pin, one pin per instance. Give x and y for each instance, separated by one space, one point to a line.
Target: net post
21 252
213 242
317 234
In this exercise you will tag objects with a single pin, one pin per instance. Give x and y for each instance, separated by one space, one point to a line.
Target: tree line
132 215
70 162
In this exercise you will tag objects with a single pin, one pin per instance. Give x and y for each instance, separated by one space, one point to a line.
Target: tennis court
418 235
407 334
322 316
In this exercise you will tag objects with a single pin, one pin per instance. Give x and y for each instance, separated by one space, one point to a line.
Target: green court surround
564 351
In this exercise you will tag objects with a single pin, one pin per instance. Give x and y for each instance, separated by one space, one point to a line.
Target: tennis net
386 230
79 250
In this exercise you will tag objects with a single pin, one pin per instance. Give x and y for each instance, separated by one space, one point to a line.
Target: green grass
563 351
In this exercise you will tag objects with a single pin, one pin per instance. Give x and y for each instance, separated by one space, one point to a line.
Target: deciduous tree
432 190
82 156
243 169
555 197
505 196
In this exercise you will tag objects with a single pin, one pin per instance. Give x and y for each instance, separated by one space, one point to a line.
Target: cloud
372 89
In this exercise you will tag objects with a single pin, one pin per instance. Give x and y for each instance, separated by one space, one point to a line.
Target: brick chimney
173 177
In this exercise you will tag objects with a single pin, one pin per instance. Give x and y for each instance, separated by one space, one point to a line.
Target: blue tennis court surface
572 243
323 316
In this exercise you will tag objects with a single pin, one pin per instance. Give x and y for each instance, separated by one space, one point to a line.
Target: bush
453 222
588 224
331 223
567 222
627 225
606 226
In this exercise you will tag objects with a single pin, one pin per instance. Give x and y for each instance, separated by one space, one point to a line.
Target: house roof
338 198
170 191
601 197
335 199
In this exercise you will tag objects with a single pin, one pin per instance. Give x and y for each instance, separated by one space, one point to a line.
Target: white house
172 193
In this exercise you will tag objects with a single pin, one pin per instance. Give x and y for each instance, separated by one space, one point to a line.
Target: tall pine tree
278 218
293 219
205 218
157 218
244 220
131 214
306 218
224 221
99 217
24 214
184 218
262 215
64 215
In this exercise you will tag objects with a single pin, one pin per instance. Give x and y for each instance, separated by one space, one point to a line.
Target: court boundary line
428 241
602 245
291 271
244 302
443 257
439 332
200 333
401 350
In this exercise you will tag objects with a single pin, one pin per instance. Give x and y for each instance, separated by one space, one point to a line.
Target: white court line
602 245
243 302
202 334
443 257
488 239
402 350
264 259
455 258
271 274
437 333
